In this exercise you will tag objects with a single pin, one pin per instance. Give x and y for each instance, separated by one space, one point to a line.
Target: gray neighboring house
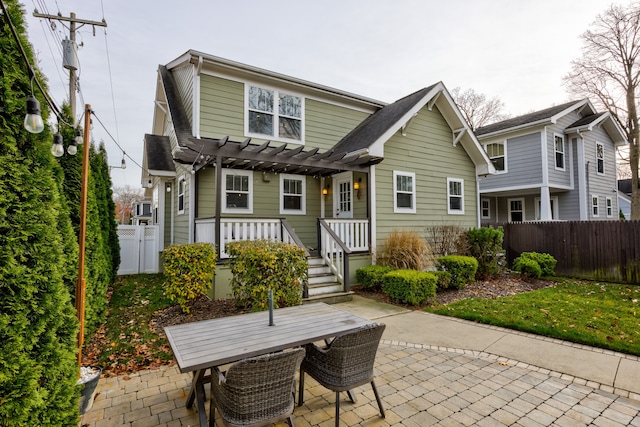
554 164
624 197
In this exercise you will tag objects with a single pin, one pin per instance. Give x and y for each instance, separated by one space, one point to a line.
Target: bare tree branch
477 109
608 72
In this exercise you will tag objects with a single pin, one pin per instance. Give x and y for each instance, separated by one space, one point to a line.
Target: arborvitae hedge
38 326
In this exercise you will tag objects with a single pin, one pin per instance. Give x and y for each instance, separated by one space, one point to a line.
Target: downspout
478 202
583 192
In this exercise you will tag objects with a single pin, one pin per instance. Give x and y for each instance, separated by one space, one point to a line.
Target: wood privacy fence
600 250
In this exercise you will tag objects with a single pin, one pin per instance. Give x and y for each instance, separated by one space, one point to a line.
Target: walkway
432 371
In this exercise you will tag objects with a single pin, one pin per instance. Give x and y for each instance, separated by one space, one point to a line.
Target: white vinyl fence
138 249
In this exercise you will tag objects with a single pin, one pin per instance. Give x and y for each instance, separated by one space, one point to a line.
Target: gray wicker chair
256 391
346 363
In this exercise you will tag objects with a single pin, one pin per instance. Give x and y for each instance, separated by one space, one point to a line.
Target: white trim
609 206
303 195
582 183
196 98
249 208
604 168
596 205
554 207
449 195
521 187
504 145
275 113
521 199
374 208
192 206
396 208
564 152
544 151
482 216
181 192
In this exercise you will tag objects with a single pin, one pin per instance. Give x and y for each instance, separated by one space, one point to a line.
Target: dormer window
274 114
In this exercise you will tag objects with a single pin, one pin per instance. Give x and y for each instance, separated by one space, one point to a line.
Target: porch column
545 204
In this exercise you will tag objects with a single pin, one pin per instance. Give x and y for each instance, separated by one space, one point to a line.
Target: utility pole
72 37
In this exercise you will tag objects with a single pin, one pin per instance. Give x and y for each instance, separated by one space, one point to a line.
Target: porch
338 241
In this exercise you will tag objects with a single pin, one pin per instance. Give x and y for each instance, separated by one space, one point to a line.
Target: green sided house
238 152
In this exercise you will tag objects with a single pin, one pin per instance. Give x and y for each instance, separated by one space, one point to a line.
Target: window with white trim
237 196
292 194
497 153
600 158
554 207
595 211
404 192
274 114
609 201
559 151
181 190
485 208
516 210
455 196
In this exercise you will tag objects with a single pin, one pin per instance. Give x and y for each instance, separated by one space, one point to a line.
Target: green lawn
599 314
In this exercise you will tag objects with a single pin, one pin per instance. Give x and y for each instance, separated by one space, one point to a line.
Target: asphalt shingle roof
158 153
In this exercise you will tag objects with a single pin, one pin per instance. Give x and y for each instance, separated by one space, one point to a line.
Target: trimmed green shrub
410 286
371 277
405 249
260 265
189 270
444 279
545 263
485 245
462 269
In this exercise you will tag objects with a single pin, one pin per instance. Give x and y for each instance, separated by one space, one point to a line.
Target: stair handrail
291 233
335 253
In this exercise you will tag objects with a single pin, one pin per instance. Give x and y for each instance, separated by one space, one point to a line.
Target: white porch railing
353 232
238 229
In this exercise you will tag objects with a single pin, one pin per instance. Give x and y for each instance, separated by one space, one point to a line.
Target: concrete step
330 298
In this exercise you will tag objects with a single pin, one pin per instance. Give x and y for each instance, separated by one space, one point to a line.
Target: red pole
81 283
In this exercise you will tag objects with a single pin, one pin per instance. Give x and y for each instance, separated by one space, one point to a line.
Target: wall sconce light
325 191
168 187
356 186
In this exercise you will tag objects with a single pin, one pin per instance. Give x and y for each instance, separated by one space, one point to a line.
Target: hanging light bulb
33 120
72 149
79 139
123 165
57 149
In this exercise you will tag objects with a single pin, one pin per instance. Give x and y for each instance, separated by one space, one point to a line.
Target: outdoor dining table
199 346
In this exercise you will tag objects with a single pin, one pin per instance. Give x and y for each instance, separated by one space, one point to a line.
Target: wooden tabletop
215 342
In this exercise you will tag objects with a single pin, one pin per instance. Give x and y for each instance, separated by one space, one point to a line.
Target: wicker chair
256 391
346 363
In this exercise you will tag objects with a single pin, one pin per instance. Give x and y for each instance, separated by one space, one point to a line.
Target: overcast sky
518 50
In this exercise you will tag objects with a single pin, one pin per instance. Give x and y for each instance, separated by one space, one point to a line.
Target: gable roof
375 130
548 115
603 119
625 186
157 159
177 113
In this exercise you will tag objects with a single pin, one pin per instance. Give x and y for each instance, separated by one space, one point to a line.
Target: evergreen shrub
462 269
485 245
189 270
444 279
262 265
371 277
410 286
535 264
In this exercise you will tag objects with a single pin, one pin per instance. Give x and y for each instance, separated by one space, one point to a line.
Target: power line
124 153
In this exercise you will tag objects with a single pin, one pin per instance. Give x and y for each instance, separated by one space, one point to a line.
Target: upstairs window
404 192
497 155
292 194
559 150
181 190
238 194
274 114
600 158
455 195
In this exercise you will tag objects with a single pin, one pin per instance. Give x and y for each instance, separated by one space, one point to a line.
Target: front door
343 196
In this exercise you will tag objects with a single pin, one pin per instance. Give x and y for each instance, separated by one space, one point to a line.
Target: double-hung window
292 194
595 208
238 191
181 191
559 150
498 155
485 208
600 158
516 210
274 114
404 192
609 207
455 196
